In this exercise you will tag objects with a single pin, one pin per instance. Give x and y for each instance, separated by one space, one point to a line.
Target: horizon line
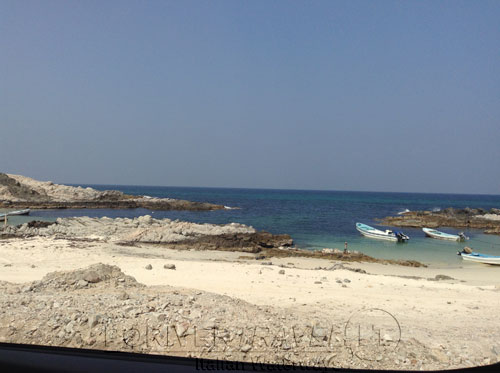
277 189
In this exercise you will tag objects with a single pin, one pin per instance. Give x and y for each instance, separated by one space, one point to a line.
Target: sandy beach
453 319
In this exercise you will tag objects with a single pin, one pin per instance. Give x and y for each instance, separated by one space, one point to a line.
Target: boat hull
13 213
432 233
377 234
480 258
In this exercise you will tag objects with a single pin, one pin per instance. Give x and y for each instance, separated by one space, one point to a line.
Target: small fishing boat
480 258
19 212
444 236
387 235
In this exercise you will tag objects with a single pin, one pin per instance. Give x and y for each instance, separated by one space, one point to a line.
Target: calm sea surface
316 219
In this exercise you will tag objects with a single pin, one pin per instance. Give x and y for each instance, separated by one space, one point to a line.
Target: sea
314 219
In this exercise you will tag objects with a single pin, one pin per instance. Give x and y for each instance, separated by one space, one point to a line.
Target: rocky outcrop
143 229
254 242
146 230
337 255
18 191
450 217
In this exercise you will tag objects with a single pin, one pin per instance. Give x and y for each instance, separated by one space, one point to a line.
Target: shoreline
18 251
185 235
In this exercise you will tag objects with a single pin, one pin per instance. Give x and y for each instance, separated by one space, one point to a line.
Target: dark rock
39 224
244 242
358 270
443 277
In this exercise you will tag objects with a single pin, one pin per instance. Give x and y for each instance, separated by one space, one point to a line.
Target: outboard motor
462 236
401 237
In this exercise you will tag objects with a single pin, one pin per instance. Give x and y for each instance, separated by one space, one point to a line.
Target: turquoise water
316 219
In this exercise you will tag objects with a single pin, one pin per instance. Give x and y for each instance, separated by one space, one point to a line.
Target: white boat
19 212
480 258
444 236
387 235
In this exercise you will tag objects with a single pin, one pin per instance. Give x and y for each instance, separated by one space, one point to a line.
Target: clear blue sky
341 95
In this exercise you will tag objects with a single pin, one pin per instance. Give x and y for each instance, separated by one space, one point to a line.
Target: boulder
91 276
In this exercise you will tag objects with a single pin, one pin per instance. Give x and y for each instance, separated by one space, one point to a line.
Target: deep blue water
316 219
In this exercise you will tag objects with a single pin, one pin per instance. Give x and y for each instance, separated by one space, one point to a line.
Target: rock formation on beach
146 230
18 191
450 217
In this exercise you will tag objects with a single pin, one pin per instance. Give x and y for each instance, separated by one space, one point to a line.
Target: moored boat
18 212
387 235
479 258
429 232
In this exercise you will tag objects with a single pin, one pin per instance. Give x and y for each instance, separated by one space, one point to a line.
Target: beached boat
19 212
444 236
387 235
480 258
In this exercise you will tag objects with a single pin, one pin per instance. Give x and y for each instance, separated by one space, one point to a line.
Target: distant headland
18 191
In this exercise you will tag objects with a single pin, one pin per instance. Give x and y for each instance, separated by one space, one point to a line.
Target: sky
329 95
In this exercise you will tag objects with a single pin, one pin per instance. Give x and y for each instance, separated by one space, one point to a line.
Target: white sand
223 272
437 312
